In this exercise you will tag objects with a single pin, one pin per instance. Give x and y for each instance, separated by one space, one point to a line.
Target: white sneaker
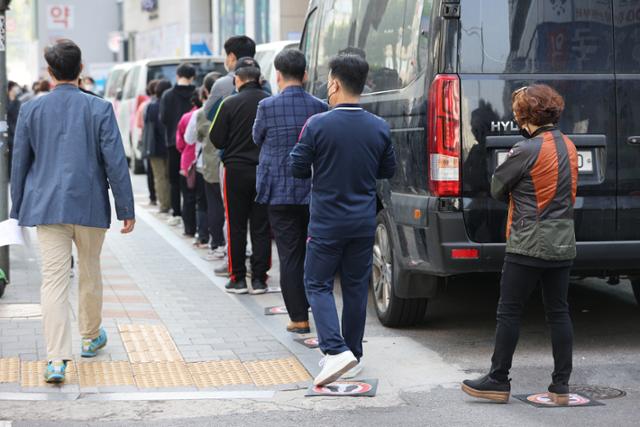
333 366
353 372
174 221
220 252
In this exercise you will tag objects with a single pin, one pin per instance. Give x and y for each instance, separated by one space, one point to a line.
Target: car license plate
585 160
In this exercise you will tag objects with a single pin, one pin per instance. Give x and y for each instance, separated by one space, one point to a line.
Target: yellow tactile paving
278 371
32 374
9 370
149 343
219 374
162 375
104 374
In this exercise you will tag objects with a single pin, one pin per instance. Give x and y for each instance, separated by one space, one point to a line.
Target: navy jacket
67 152
348 148
174 103
276 130
154 134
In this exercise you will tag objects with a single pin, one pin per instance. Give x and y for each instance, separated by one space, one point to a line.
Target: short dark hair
151 87
351 70
291 63
210 79
162 87
240 46
11 84
249 74
64 59
195 99
186 70
44 86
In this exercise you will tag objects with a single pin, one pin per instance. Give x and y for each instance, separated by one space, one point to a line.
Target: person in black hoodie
231 131
174 103
155 146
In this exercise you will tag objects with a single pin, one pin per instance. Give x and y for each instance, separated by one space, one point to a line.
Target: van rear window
168 71
390 34
525 36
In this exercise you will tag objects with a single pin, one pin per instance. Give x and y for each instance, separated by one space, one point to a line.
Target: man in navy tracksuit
348 149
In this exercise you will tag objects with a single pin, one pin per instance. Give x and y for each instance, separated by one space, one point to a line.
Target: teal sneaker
54 374
90 346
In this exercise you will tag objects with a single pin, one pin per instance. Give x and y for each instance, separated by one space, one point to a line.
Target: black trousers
289 227
215 214
150 182
174 180
518 282
240 196
188 207
201 210
194 209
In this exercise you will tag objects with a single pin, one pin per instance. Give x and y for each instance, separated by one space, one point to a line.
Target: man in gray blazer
67 153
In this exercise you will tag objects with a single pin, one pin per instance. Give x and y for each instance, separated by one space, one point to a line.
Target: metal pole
4 136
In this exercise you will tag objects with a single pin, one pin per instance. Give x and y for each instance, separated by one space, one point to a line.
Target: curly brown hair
537 104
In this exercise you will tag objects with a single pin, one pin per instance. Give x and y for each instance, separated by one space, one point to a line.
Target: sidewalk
170 325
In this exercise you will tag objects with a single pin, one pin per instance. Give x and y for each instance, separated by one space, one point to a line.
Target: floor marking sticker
542 400
364 388
311 342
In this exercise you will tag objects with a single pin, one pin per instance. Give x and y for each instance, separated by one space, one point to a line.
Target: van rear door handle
633 140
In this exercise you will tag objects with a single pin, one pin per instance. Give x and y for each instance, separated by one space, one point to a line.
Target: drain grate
597 392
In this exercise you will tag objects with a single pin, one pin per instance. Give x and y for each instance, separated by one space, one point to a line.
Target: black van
442 74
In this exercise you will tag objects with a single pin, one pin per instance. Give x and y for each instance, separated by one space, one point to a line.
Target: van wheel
138 167
391 310
635 285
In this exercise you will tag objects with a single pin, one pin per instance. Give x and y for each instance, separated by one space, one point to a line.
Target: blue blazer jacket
67 152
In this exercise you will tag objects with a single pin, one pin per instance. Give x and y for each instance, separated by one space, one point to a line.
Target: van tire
635 286
138 167
392 311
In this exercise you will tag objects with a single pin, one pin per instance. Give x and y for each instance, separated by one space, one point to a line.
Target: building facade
167 28
34 24
89 23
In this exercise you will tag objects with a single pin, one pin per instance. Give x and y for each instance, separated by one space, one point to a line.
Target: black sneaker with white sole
258 286
488 388
237 287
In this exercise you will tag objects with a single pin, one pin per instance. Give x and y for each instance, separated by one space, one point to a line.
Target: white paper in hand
11 233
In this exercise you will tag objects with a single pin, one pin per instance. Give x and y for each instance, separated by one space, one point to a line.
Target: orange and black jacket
540 180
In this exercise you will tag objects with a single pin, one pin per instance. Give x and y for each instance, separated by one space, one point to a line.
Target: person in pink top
187 166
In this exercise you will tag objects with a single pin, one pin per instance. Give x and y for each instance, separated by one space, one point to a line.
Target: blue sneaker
55 371
90 347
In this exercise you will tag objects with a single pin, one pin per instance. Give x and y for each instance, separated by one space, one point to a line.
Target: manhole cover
597 392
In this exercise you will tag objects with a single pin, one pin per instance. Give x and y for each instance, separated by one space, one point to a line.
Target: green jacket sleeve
509 173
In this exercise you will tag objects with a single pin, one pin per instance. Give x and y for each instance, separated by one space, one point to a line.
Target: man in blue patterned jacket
278 124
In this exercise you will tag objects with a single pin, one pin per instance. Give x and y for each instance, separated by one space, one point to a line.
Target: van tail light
443 136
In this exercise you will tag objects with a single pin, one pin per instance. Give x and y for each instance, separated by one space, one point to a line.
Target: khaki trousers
161 181
55 250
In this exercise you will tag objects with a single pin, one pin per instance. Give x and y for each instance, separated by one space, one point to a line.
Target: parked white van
134 94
